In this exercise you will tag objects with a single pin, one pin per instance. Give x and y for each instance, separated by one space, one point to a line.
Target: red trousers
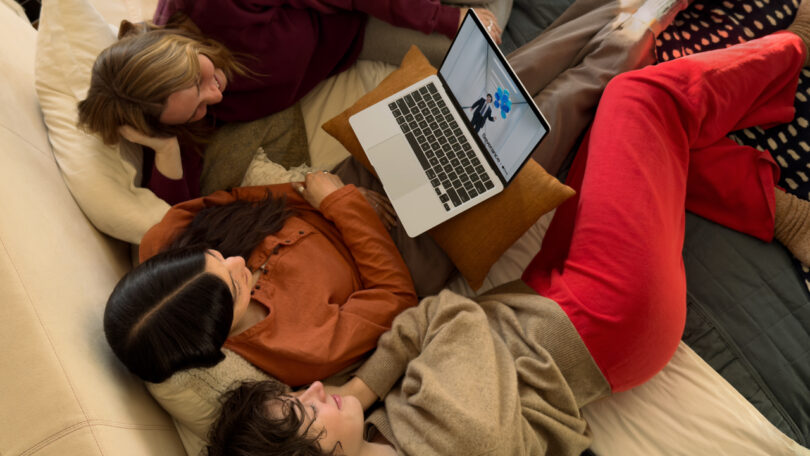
612 257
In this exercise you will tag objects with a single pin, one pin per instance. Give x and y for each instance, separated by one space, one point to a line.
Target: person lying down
602 306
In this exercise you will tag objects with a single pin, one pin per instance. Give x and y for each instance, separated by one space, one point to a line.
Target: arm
336 331
426 16
489 115
459 382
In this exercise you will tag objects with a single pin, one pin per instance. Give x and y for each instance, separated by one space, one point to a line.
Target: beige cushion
101 178
468 237
192 396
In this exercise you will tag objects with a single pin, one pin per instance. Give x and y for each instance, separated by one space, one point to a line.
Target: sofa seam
25 140
50 341
43 443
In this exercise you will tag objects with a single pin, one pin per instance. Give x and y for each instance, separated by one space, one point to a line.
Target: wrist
358 388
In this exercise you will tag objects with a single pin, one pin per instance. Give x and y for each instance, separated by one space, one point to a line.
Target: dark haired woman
300 283
603 304
159 81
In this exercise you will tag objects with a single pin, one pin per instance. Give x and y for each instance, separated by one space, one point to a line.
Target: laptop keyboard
441 147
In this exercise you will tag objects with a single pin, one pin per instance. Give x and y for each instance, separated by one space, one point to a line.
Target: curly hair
245 429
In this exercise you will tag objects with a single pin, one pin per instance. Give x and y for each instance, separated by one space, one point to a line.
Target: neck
255 313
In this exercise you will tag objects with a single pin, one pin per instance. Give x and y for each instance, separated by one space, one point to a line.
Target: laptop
454 139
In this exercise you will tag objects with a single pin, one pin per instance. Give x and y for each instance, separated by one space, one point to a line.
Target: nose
237 261
315 392
212 93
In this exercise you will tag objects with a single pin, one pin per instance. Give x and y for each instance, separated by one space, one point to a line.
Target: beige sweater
506 375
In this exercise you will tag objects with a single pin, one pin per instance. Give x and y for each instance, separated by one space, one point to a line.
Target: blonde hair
132 79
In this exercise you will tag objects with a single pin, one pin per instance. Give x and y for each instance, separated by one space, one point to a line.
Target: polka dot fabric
708 24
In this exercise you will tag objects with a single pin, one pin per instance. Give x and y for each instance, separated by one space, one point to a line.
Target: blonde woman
162 84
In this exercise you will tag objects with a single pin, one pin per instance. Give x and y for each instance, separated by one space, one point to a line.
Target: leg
612 256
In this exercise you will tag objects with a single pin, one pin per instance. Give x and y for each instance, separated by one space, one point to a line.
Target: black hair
244 429
168 314
235 229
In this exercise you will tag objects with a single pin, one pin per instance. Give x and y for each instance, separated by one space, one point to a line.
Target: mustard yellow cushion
476 238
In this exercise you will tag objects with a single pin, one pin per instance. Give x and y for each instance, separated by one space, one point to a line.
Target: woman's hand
488 19
317 186
167 150
382 206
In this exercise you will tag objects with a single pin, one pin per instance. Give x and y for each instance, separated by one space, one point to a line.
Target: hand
488 19
382 206
167 150
159 144
317 186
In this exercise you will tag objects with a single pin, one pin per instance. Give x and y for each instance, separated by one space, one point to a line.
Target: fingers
130 134
490 23
487 18
317 186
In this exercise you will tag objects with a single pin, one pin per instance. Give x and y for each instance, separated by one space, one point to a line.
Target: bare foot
792 224
801 26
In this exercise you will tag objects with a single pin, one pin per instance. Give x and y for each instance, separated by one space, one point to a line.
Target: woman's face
236 275
190 104
339 417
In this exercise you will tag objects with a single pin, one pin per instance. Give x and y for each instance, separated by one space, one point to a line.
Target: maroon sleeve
427 16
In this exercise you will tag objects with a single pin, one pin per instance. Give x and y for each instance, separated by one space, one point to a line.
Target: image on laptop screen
496 108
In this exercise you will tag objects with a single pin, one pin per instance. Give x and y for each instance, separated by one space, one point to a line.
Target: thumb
298 187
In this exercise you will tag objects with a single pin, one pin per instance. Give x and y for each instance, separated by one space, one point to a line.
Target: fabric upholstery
63 391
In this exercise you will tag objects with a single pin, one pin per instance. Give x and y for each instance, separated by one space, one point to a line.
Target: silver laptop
455 139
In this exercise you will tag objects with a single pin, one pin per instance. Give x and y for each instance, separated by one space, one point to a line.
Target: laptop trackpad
397 166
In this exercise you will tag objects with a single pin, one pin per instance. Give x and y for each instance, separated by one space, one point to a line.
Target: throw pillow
102 179
192 397
476 238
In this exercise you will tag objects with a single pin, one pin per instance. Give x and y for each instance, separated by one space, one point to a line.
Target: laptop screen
500 112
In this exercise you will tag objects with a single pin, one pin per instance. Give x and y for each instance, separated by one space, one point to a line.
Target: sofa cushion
63 391
468 237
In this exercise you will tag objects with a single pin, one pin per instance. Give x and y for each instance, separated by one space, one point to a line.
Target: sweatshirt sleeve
426 16
376 256
458 394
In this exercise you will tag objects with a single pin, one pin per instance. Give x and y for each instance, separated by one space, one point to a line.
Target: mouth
219 84
338 401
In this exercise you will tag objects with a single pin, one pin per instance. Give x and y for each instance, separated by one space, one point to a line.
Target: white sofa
62 392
